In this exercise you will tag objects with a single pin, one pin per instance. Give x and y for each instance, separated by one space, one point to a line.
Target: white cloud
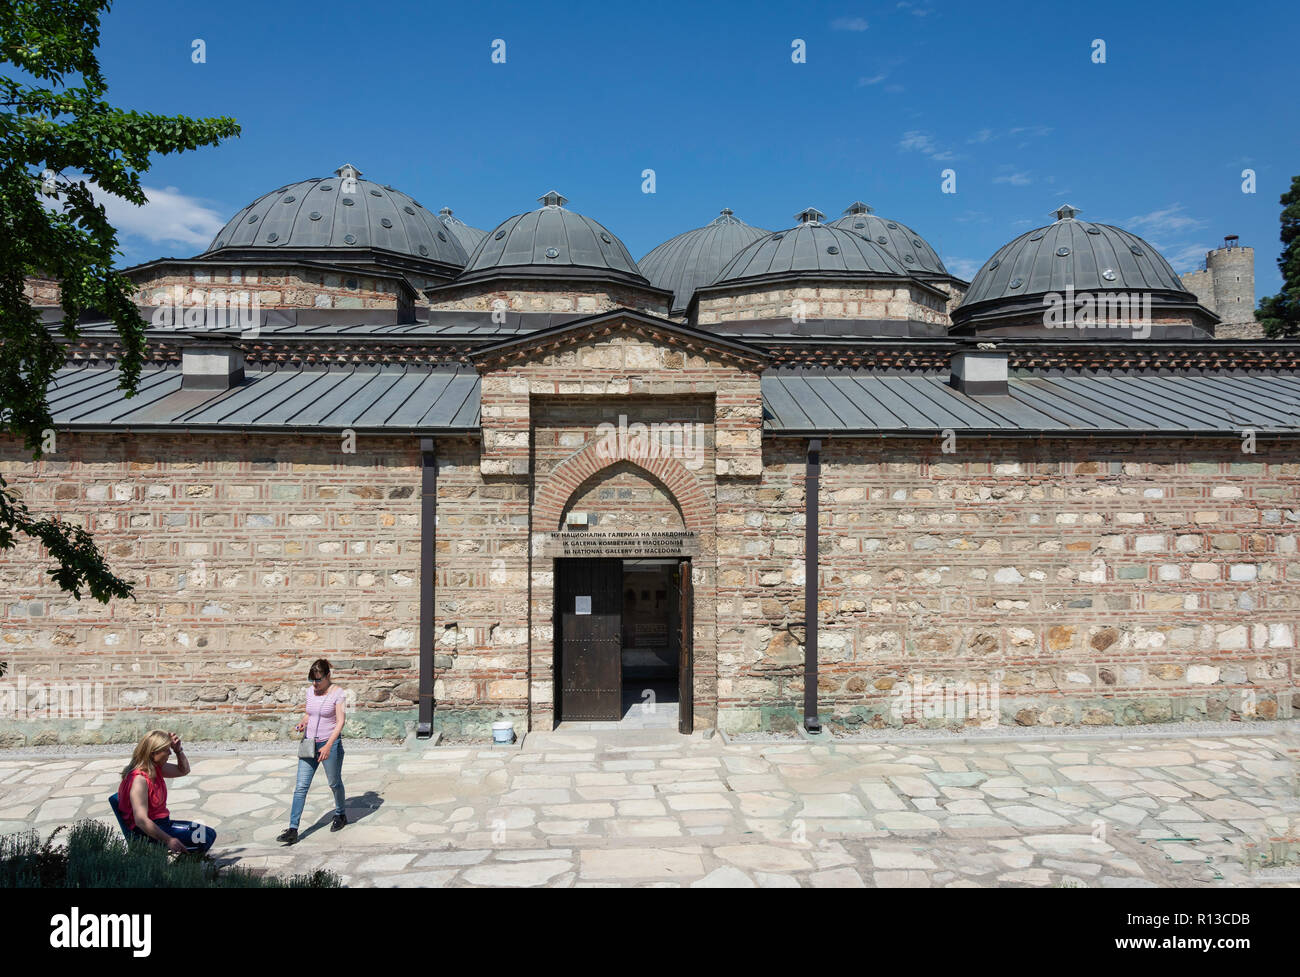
1184 259
1171 220
962 267
169 216
873 80
916 141
1015 179
849 24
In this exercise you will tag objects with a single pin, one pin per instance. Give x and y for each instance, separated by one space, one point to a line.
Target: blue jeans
197 838
307 770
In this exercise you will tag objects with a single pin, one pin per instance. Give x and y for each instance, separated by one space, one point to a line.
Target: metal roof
551 238
1090 257
468 237
810 248
898 239
446 398
385 398
866 403
691 259
317 213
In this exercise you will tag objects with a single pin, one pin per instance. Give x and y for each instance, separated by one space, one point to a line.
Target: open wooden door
685 655
589 594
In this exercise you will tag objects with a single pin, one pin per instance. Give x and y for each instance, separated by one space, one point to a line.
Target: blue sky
707 95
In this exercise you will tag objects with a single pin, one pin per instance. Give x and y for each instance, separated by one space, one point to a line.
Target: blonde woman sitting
142 796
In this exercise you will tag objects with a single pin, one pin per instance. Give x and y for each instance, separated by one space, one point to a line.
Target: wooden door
590 599
685 657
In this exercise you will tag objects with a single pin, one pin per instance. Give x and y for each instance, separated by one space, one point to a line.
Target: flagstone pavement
649 807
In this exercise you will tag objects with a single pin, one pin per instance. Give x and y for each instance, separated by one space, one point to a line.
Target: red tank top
157 797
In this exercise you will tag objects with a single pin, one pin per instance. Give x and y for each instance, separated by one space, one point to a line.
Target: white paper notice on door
581 604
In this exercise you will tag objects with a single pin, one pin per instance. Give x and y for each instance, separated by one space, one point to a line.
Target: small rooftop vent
857 207
552 199
979 372
810 215
1065 212
211 367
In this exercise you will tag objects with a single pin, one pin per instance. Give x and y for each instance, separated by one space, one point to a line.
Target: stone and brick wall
274 287
42 291
550 296
251 557
822 301
1089 582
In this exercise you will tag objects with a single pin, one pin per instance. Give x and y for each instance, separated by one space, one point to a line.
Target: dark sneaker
289 836
338 822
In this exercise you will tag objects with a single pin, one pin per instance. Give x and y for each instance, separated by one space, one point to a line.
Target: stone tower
1226 286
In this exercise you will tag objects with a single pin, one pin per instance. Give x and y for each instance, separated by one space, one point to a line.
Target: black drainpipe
811 480
428 535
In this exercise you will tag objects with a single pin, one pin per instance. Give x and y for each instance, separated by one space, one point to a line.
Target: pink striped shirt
320 712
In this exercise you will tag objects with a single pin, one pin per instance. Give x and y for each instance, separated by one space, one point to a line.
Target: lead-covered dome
810 248
694 258
552 241
467 237
341 212
1090 257
903 243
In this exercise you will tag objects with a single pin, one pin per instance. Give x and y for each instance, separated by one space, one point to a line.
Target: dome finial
347 172
858 207
809 215
1065 212
552 199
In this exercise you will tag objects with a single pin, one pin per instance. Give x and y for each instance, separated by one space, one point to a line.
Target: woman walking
323 726
142 796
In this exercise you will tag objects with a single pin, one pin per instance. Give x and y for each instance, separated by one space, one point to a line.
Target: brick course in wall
1091 587
822 301
251 556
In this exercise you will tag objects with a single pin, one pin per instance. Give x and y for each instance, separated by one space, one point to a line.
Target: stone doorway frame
551 501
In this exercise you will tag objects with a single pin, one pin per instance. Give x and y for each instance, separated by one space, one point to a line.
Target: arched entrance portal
624 603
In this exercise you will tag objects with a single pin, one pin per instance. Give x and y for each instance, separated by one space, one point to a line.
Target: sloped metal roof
446 399
846 402
317 213
899 240
694 258
387 398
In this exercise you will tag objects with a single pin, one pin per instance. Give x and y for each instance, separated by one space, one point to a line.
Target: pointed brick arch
683 487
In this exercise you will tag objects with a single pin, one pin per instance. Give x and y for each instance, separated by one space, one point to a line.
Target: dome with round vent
694 258
810 248
1071 252
343 212
467 237
554 242
899 240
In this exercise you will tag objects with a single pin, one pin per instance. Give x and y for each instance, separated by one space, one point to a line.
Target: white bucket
503 732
